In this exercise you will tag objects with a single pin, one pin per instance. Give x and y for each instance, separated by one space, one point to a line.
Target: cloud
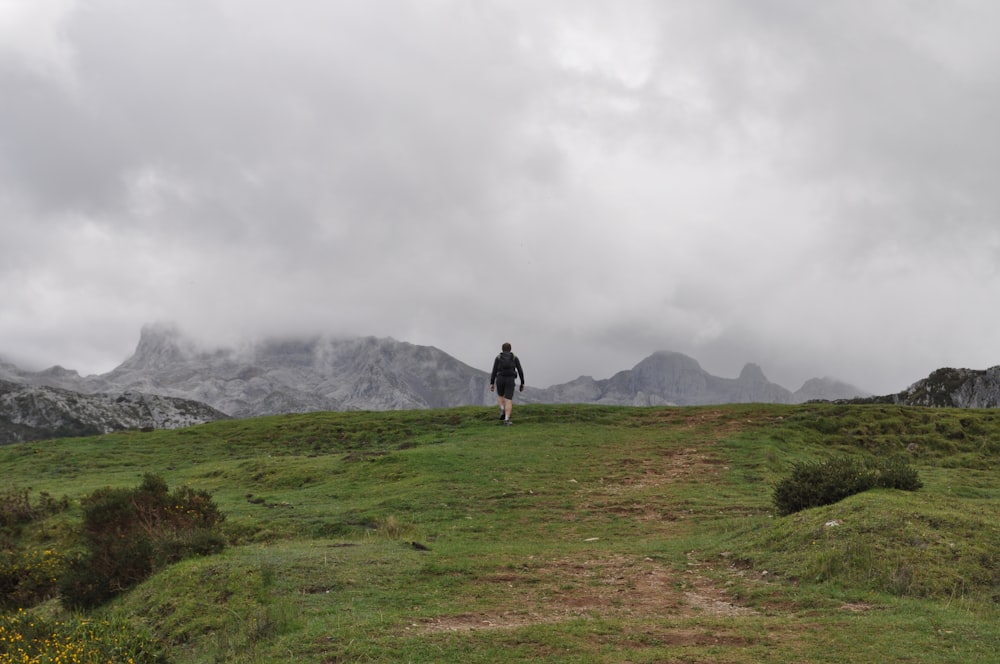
805 187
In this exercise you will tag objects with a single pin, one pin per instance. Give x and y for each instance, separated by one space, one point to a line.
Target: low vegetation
130 533
33 639
581 534
818 483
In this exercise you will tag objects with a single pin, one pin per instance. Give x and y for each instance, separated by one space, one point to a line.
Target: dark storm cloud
779 182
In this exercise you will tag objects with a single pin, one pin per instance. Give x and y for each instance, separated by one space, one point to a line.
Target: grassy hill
581 534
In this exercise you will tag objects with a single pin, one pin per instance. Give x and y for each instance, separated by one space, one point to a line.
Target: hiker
506 369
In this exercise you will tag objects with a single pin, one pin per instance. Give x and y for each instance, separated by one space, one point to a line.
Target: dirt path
601 587
614 585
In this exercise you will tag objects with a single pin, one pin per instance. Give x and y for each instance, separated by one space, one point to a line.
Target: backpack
507 364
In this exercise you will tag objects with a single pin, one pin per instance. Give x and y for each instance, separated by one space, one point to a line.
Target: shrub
132 532
16 508
29 576
895 473
93 578
197 543
826 482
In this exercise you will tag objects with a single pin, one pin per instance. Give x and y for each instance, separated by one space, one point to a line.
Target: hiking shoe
507 423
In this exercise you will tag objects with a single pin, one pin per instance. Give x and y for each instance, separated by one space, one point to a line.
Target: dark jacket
516 371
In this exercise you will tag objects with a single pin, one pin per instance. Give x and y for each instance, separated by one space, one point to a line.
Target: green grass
581 534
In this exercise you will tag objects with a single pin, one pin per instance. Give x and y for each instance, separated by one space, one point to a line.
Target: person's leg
503 393
505 388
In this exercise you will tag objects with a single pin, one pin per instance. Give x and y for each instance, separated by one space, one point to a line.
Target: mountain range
170 381
324 373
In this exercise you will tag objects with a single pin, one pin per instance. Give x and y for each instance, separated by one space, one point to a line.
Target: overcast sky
809 186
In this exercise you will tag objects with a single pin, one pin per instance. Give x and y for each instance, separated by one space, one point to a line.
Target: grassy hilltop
581 534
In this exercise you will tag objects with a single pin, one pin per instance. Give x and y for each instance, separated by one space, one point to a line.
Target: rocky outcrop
949 388
30 412
981 390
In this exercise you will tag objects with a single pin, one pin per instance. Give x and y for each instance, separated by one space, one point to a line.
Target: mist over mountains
170 381
323 373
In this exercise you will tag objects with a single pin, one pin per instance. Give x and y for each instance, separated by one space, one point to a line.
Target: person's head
506 347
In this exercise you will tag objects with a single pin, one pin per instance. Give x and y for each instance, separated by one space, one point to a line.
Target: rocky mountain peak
828 389
752 373
59 372
160 344
669 364
8 371
155 335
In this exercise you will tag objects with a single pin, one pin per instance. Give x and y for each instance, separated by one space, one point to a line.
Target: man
506 369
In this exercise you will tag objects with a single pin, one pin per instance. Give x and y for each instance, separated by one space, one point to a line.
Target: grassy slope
581 534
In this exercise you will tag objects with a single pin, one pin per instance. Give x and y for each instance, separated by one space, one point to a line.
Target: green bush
196 543
16 508
132 532
895 473
826 482
93 578
28 577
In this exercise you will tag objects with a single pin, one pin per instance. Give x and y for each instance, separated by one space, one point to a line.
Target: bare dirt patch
661 467
858 607
664 463
614 586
